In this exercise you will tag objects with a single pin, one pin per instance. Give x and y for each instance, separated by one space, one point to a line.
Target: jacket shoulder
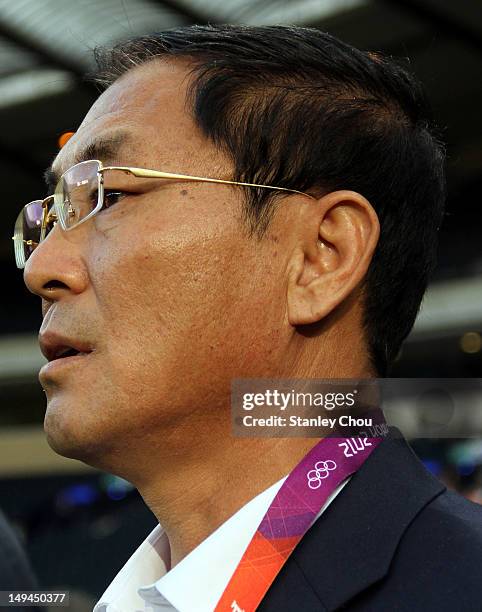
438 563
449 524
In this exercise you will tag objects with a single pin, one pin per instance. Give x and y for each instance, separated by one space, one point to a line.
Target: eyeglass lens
77 193
27 231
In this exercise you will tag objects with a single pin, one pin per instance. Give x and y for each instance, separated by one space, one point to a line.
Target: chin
70 437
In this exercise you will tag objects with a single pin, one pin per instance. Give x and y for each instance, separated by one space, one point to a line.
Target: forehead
145 116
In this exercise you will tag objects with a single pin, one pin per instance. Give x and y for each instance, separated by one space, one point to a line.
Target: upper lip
53 345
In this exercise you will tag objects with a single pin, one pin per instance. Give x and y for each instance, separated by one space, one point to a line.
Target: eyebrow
105 149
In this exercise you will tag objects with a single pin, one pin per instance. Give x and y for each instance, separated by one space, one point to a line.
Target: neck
193 489
193 498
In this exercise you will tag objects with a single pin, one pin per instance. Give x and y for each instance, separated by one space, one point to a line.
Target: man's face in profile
165 286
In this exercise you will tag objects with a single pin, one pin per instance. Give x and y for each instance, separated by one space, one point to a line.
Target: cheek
181 303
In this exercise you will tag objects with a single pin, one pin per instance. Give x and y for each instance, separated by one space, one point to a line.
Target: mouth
59 348
66 352
60 359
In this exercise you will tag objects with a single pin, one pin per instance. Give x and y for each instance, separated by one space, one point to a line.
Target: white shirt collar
146 583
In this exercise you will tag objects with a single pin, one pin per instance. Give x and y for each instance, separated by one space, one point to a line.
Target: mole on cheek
184 192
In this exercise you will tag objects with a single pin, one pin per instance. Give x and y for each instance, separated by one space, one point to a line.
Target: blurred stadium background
79 526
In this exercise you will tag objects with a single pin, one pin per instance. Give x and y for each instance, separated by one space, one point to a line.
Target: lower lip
57 365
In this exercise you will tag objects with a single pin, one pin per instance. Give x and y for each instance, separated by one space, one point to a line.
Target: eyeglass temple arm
143 173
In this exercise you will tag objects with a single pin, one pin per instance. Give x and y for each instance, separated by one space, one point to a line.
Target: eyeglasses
80 194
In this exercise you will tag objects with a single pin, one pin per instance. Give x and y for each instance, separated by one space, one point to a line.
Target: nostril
55 284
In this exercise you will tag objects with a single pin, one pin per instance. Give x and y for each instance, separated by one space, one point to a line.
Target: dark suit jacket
394 540
15 571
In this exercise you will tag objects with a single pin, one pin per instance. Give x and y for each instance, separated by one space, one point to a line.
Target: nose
56 269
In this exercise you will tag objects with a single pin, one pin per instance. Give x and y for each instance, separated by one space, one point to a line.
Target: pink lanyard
290 515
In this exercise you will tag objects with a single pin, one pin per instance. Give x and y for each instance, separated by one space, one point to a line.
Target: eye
111 197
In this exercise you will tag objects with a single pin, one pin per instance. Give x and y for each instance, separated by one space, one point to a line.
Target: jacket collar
352 546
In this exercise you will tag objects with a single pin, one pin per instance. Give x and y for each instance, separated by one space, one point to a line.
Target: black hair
298 108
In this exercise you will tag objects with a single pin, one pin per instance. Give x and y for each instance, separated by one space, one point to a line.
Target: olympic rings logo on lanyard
320 472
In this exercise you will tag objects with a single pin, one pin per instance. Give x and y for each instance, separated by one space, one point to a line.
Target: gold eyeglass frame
50 216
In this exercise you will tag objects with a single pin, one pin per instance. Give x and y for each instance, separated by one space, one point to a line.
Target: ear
336 247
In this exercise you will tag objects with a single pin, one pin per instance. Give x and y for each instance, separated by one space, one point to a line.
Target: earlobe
325 271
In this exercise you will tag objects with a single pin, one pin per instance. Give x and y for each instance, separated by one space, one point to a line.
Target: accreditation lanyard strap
290 515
